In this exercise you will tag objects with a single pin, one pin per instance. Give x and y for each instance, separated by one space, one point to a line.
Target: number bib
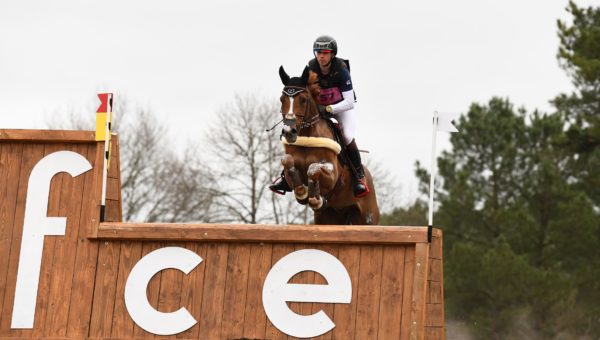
330 96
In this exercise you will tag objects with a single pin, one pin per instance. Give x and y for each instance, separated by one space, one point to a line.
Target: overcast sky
185 59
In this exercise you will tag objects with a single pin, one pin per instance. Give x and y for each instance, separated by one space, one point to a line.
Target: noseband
292 91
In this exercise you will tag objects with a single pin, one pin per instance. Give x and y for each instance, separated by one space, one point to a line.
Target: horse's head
297 103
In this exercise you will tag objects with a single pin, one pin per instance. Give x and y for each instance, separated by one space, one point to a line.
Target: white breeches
348 121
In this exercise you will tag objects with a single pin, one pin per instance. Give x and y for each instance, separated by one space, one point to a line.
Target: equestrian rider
336 99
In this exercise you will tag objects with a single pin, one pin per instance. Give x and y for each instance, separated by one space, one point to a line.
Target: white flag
446 121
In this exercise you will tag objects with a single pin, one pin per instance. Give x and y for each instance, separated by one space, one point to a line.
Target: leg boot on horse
361 189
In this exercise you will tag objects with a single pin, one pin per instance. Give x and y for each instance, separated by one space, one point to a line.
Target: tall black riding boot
280 185
360 184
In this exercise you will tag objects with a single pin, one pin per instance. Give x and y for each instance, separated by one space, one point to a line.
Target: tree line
519 205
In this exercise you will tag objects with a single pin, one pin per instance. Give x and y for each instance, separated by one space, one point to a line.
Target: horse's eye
302 100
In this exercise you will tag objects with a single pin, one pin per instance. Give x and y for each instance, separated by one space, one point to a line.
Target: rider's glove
322 111
325 111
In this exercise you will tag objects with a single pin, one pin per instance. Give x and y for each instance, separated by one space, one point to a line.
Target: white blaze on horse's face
290 114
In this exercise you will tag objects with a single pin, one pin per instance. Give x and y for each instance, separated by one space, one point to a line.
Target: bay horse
312 163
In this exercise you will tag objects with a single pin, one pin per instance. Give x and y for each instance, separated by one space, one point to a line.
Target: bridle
292 91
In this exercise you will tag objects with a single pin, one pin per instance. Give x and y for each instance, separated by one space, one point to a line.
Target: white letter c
136 299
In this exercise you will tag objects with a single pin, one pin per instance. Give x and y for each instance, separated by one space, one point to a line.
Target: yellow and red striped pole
103 132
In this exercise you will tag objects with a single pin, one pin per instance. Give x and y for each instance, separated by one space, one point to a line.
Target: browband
292 90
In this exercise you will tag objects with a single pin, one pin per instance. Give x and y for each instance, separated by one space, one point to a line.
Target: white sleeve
346 104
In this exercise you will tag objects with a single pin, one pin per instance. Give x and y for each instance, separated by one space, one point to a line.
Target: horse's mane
313 85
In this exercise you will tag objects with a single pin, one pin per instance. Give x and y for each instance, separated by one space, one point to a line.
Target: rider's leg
360 184
280 185
349 124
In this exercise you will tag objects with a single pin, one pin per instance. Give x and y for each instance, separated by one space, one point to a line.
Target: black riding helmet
325 42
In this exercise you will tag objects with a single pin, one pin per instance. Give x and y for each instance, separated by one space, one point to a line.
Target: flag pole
107 128
432 175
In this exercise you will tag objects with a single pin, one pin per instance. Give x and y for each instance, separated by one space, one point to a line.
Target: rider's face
324 57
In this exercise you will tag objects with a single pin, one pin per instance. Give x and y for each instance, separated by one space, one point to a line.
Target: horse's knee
317 169
287 161
314 171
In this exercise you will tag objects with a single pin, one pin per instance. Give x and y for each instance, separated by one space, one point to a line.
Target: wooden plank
435 333
435 315
263 233
344 315
214 290
169 296
122 324
65 249
436 247
114 168
255 320
105 285
236 291
10 167
279 251
86 258
327 308
38 136
438 251
435 292
117 165
417 313
390 304
192 289
113 186
435 270
407 293
369 290
90 226
113 213
153 290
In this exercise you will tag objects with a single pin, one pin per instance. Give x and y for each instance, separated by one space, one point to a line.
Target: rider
336 98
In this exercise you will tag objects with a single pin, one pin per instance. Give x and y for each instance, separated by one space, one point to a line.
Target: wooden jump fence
396 275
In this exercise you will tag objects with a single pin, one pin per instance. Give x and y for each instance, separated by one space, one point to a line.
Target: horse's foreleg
315 170
293 177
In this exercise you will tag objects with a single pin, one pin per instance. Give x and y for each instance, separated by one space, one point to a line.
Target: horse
312 163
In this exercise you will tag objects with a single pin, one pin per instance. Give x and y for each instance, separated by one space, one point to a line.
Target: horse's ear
285 79
305 76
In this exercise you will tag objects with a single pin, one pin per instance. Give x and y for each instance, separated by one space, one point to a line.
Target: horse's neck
321 127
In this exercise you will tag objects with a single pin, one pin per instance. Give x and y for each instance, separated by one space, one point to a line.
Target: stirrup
280 186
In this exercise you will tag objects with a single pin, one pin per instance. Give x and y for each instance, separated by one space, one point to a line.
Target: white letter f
36 225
